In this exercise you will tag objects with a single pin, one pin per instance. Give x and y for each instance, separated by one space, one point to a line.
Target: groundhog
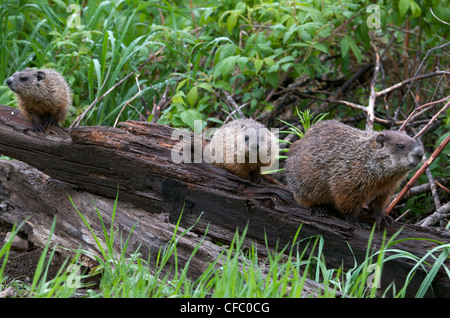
42 95
242 147
348 169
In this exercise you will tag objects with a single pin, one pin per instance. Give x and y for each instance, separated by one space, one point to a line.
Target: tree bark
154 191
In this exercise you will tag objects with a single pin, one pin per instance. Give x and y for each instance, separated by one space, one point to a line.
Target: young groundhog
338 166
242 147
42 95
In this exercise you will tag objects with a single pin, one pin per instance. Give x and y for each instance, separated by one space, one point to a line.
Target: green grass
239 272
241 47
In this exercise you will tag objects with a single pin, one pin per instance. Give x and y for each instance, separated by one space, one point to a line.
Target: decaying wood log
137 158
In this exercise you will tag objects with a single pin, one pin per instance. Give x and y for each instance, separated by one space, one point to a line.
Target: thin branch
157 108
417 175
129 101
438 215
335 101
433 119
229 100
416 74
431 181
421 107
398 85
371 107
438 18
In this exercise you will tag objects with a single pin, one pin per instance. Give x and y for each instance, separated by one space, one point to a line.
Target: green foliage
306 119
243 47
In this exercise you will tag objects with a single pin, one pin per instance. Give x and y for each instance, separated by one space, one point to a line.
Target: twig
420 77
434 193
401 216
438 215
417 175
129 101
229 100
438 18
157 108
336 101
80 117
433 119
421 107
443 187
416 74
371 106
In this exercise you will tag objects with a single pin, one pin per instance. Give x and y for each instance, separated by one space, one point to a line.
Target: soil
21 265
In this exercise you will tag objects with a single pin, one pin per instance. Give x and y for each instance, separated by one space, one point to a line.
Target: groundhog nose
9 81
416 156
418 152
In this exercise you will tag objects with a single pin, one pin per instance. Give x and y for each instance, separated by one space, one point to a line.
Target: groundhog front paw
383 219
38 128
319 211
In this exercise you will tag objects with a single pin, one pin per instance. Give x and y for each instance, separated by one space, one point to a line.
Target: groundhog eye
401 146
246 137
23 78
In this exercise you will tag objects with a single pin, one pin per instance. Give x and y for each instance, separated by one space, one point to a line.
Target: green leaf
258 64
403 6
415 9
273 79
206 86
178 98
189 116
192 95
348 43
345 46
356 51
232 20
225 67
269 61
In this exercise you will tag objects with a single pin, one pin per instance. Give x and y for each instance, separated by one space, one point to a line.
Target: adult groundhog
242 147
42 95
338 166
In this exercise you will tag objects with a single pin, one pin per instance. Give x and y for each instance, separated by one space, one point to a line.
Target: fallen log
138 159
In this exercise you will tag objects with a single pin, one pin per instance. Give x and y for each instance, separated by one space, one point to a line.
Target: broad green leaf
273 79
189 116
178 98
258 64
403 6
225 67
345 46
269 61
415 9
232 20
192 95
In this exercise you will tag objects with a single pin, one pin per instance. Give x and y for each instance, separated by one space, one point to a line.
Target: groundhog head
28 83
396 151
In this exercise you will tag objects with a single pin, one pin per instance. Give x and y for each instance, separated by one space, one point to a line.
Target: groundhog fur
348 169
242 147
43 96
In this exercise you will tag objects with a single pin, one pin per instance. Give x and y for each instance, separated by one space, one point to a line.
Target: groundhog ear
40 75
381 139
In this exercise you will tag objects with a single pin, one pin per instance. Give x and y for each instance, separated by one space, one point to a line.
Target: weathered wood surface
137 158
